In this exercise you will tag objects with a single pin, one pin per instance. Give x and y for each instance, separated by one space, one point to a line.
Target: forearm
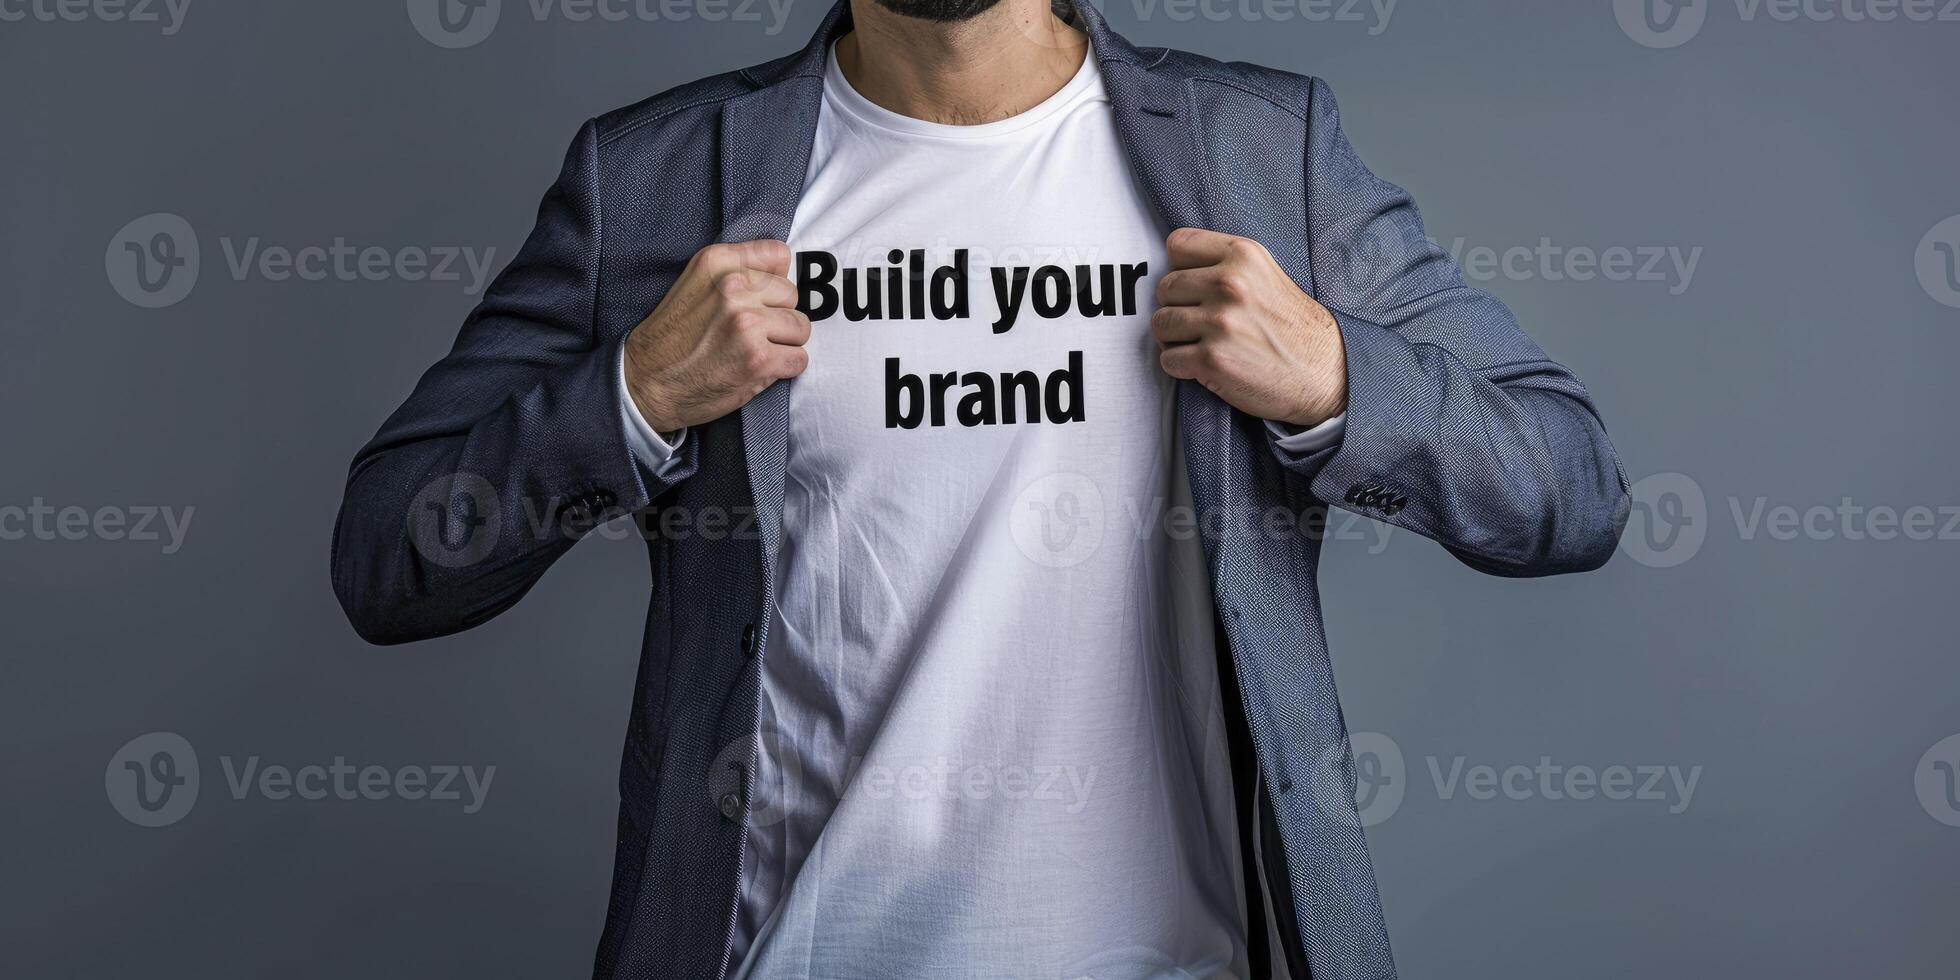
447 522
1509 468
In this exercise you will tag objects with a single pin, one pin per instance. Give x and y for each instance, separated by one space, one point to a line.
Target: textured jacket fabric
509 450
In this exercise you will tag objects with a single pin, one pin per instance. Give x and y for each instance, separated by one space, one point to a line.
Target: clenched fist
727 329
1229 318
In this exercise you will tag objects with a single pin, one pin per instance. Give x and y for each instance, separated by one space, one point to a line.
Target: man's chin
942 11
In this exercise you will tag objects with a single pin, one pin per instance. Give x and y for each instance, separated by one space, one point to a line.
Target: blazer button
603 499
731 806
576 516
748 640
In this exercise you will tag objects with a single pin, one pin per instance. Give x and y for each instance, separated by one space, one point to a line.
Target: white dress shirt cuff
1305 442
654 451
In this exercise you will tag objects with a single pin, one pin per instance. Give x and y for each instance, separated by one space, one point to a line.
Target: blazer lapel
764 155
1157 120
765 149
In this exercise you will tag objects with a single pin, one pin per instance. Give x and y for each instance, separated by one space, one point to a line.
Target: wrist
645 395
1325 393
1330 402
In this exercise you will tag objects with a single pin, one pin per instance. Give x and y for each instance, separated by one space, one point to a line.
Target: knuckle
731 286
755 360
747 321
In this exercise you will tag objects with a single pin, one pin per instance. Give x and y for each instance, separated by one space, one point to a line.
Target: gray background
1809 678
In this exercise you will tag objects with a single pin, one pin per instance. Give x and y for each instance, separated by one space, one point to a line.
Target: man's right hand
727 329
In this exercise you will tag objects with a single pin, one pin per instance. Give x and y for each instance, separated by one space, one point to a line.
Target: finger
769 325
1184 361
788 362
741 288
1188 287
789 327
1195 248
771 290
1179 325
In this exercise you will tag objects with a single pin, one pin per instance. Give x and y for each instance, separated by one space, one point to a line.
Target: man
907 350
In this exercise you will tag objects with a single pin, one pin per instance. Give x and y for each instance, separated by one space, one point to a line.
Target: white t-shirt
992 742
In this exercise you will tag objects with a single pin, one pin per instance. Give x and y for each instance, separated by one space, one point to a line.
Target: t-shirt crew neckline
838 90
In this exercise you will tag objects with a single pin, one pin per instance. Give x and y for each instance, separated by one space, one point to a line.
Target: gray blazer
509 450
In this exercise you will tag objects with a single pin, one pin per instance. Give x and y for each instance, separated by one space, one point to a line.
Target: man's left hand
1229 318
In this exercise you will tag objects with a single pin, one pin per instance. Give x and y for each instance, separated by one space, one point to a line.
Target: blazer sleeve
508 450
1459 427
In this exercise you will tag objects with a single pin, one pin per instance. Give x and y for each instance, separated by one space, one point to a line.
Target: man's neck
1002 62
